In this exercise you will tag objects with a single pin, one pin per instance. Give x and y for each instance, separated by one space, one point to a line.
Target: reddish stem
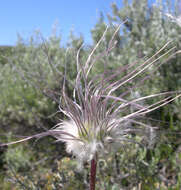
93 174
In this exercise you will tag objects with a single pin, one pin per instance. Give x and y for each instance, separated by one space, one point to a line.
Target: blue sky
26 16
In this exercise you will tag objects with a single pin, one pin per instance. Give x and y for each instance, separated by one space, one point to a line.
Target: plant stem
93 173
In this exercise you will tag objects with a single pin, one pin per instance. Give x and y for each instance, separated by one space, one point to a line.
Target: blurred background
37 40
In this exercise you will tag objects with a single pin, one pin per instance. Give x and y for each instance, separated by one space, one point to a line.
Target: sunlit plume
104 112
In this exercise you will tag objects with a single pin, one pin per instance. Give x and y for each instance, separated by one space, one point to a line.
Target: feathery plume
100 117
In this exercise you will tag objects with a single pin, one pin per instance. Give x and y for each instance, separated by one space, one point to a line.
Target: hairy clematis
100 116
99 121
96 138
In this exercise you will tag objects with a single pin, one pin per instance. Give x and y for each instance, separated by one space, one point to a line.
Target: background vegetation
31 76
